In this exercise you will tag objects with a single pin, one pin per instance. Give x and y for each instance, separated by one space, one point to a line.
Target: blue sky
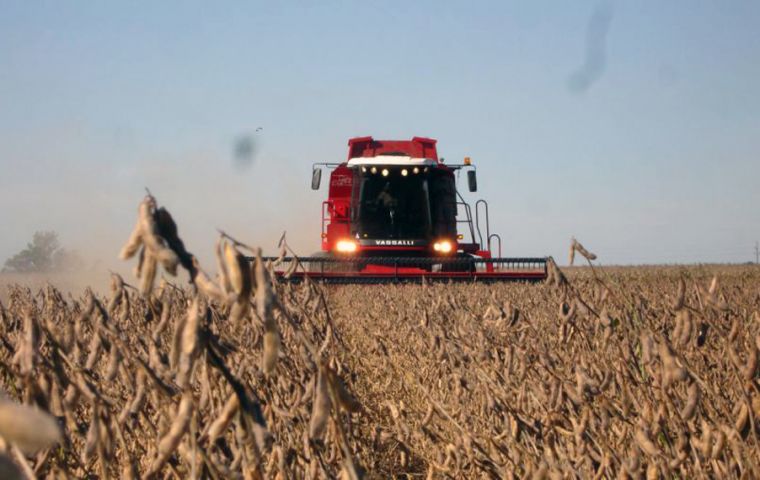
656 161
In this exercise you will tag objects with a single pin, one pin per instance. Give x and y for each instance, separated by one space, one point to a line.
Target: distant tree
43 254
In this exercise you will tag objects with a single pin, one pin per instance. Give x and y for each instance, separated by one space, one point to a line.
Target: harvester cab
393 213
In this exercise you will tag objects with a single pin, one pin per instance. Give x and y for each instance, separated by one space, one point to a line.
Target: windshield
393 205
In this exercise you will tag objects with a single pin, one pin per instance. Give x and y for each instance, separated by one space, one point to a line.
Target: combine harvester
393 214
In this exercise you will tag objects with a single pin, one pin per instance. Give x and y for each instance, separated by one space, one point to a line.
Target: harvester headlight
373 170
416 170
364 169
346 246
443 246
385 172
404 172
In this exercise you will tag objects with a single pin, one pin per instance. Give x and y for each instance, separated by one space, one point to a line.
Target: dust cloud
92 205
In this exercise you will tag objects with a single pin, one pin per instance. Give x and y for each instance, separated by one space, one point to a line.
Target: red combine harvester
393 214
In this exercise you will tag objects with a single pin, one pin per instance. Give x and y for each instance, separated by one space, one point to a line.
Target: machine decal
389 242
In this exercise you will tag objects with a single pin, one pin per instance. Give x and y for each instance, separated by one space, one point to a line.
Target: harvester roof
418 148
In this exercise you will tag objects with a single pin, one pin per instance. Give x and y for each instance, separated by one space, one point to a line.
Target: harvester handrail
477 223
497 237
326 164
468 213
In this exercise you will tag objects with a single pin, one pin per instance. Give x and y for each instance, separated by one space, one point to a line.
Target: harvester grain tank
393 213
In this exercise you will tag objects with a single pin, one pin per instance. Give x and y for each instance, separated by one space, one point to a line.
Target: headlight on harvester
443 246
346 246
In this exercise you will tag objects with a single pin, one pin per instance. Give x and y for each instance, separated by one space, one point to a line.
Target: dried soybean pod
653 470
205 396
719 444
428 416
206 285
168 259
283 251
292 269
675 334
149 268
176 345
645 443
31 340
706 444
748 371
271 350
647 347
151 237
686 327
571 256
118 293
320 412
114 360
93 436
175 247
238 271
713 285
139 398
586 254
140 262
551 277
189 341
219 250
265 309
678 302
347 401
222 422
170 441
94 349
692 399
239 310
163 322
28 428
133 244
734 332
129 470
671 371
188 345
742 417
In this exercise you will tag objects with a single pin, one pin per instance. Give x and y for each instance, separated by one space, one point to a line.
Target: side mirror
472 181
316 178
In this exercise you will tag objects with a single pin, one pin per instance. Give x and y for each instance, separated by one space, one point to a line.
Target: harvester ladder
468 215
326 214
477 223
